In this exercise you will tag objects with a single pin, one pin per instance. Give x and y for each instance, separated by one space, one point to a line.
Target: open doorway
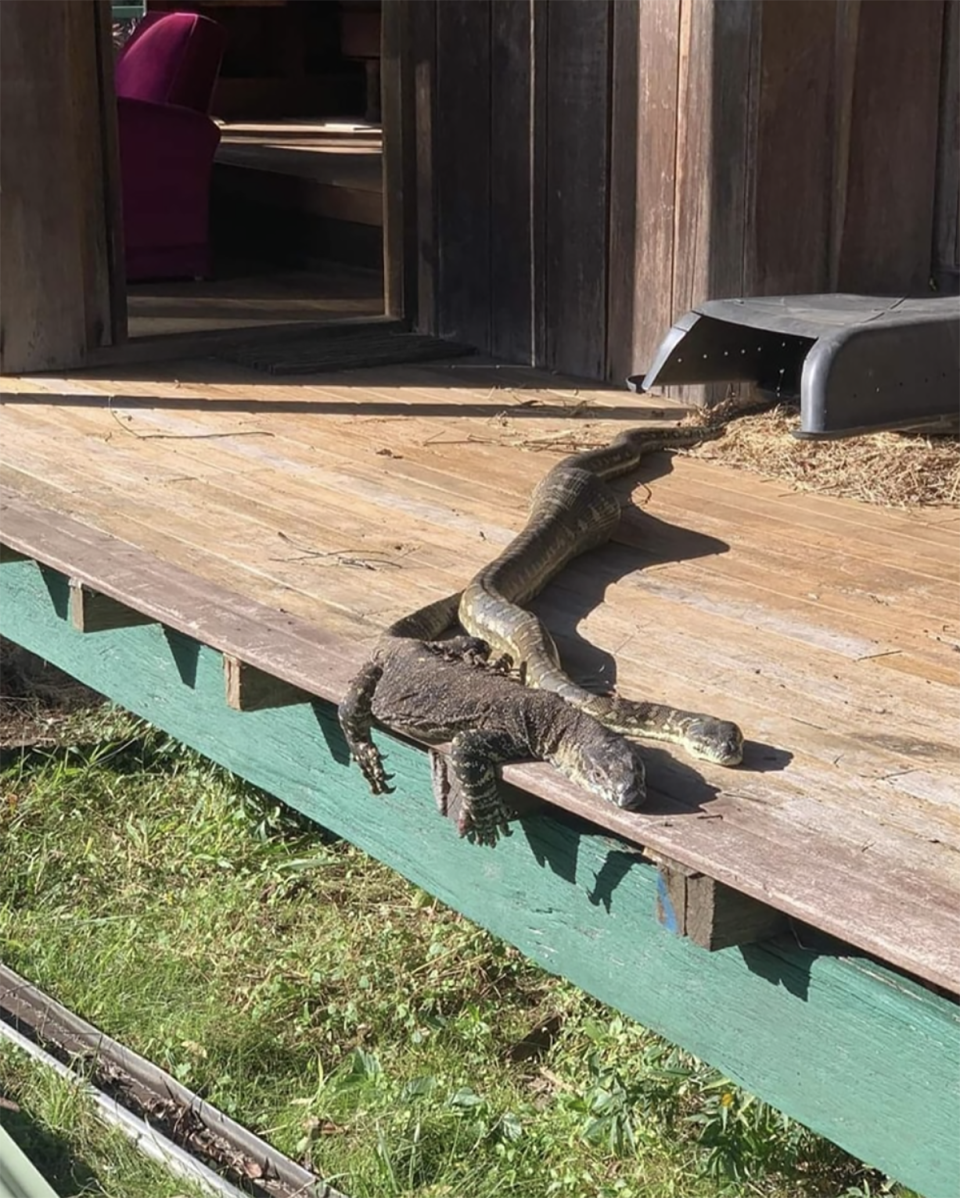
296 192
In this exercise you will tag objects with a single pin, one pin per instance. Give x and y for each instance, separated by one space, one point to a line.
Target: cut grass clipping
343 1014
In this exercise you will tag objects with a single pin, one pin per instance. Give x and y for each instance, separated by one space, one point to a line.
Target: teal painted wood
851 1049
19 1177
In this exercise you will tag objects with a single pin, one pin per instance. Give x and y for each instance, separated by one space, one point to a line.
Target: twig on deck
335 557
241 432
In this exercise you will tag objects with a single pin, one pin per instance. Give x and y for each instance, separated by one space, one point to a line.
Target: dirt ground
36 699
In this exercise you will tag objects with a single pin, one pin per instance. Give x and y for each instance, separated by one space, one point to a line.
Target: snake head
613 770
718 741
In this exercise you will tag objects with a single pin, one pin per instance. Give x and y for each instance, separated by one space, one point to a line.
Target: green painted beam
19 1177
855 1051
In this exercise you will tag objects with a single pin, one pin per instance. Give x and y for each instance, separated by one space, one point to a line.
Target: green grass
57 1128
341 1012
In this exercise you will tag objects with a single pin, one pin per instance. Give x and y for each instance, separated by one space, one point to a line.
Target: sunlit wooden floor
251 297
828 629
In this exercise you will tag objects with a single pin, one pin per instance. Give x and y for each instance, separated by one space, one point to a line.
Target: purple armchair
165 78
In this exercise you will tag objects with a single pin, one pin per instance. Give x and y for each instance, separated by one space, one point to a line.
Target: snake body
573 510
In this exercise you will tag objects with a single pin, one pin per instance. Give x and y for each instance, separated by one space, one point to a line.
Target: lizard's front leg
469 649
356 719
474 757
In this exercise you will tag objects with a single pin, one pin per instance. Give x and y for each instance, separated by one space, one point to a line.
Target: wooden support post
8 554
709 913
250 689
62 289
92 612
399 208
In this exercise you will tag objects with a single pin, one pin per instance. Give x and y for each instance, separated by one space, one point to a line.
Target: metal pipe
147 1139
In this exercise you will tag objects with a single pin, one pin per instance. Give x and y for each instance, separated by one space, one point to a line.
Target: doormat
347 347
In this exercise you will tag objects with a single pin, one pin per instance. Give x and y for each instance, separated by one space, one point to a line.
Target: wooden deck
252 296
827 629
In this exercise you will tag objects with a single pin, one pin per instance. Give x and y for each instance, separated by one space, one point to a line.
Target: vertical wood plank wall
598 167
60 292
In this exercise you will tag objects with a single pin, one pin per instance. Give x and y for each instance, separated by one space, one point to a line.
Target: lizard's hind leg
474 757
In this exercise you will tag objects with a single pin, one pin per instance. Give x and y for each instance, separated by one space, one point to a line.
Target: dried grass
36 699
889 469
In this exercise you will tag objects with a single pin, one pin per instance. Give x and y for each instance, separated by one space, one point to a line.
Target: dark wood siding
595 168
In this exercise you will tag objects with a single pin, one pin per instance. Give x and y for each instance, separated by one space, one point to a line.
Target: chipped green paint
850 1048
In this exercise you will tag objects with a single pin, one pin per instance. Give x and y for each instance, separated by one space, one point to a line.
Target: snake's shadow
640 542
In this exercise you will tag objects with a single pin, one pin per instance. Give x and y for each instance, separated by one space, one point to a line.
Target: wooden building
216 544
561 180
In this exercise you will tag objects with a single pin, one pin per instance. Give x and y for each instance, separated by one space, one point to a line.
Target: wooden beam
56 242
423 56
653 309
848 1047
115 281
462 183
711 914
398 264
512 213
250 689
91 611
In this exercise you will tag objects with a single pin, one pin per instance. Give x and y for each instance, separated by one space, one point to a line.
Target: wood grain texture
423 57
625 21
462 166
716 95
888 221
790 156
58 265
946 229
840 1043
577 174
115 294
654 308
399 162
512 211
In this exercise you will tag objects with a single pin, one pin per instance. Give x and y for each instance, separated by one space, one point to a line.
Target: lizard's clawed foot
481 826
469 649
371 765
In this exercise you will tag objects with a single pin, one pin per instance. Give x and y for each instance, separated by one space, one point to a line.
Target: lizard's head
611 768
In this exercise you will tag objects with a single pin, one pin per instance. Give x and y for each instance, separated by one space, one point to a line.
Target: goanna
438 691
